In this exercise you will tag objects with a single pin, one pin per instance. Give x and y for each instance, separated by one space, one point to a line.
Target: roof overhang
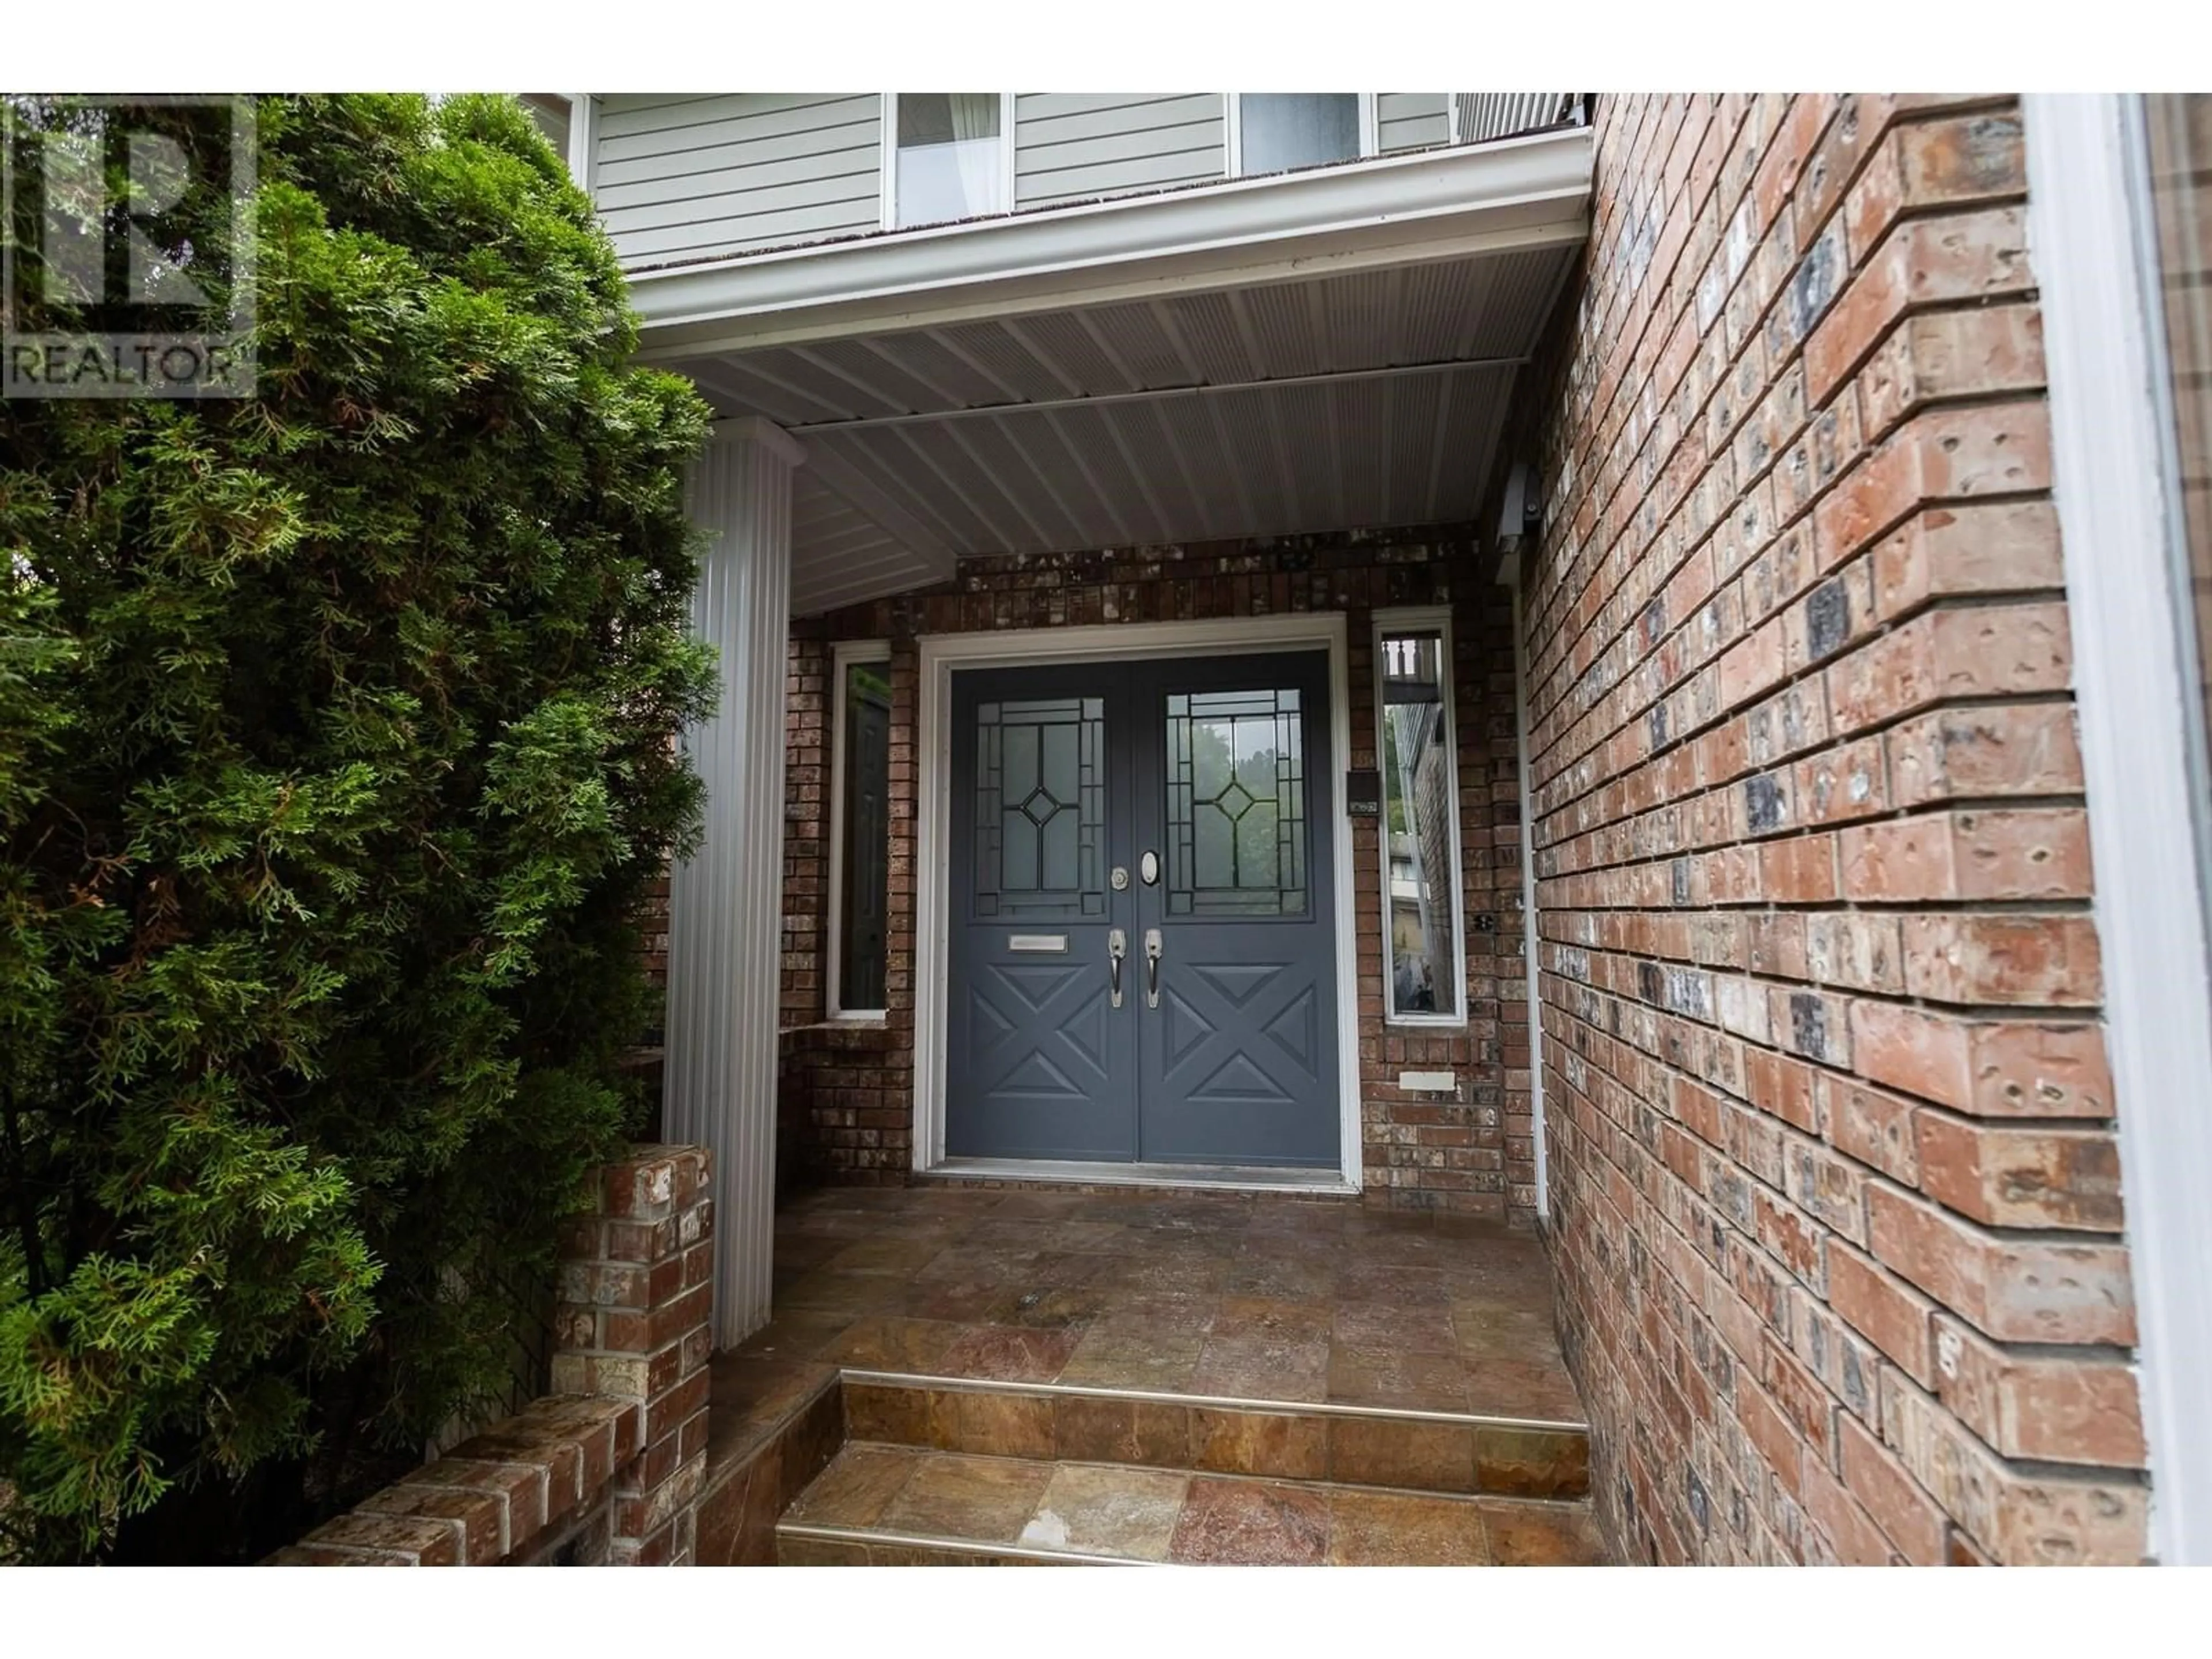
1447 204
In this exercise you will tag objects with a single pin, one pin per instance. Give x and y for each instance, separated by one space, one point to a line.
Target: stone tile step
898 1505
1441 1452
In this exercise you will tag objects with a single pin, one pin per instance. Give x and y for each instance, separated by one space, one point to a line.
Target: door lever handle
1117 946
1151 967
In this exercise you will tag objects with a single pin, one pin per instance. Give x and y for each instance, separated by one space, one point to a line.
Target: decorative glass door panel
1143 965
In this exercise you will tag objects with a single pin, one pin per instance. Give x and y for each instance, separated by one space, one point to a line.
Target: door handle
1117 946
1151 967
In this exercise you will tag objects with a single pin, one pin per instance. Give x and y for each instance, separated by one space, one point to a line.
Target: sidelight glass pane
2179 129
864 885
1420 859
1236 821
1278 131
952 159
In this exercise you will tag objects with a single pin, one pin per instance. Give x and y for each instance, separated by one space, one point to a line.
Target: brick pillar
635 1322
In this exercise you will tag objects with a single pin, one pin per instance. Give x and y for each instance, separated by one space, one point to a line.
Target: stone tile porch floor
1185 1297
1230 1296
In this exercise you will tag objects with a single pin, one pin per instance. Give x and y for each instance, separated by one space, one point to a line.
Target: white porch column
726 904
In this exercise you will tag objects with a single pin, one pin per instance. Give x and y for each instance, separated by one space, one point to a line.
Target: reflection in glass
1040 807
865 879
1278 131
1236 831
1419 776
950 162
2179 129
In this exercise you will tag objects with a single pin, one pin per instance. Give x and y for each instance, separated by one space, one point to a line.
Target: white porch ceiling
1257 402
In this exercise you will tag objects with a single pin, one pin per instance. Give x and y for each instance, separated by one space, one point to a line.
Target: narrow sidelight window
1278 131
951 161
861 830
1420 825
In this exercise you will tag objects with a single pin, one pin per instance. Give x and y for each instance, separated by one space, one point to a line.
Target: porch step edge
856 1520
852 1374
1464 1454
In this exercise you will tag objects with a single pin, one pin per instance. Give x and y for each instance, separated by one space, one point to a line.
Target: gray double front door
1142 956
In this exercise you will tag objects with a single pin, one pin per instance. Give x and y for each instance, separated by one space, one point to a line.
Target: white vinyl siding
686 178
1412 120
1487 115
1069 147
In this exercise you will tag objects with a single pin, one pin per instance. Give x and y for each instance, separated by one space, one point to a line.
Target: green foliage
335 763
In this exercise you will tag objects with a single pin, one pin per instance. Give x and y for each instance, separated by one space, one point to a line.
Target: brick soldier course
1834 1188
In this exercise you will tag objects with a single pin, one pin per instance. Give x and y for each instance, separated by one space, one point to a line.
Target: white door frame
942 654
2134 685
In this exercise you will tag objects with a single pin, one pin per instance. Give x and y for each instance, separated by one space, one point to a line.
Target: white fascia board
1399 210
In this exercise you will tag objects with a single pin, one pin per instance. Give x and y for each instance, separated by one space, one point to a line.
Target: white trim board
2134 676
1213 1177
942 654
1442 204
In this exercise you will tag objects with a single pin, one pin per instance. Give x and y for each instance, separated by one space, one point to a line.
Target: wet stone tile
828 1289
1531 1463
1393 1285
1277 1445
1542 1535
1386 1377
820 1552
1424 1329
1251 1523
855 1487
1048 1308
1261 1368
963 1301
1107 1511
876 1410
1094 1429
1142 1313
1391 1529
1161 1362
890 1344
1270 1275
1003 1424
1545 1392
1407 1452
896 1252
983 1498
1286 1320
795 1333
1009 1353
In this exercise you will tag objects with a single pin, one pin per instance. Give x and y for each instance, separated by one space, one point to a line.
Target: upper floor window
950 158
1275 131
567 120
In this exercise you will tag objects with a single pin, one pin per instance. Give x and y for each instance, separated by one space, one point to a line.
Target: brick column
635 1322
607 1467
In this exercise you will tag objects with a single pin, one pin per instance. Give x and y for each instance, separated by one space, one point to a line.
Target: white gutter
1443 203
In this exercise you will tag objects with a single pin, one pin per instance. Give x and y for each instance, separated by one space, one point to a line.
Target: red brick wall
1835 1197
1472 1154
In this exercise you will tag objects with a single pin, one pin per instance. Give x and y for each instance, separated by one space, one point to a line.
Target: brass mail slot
1047 942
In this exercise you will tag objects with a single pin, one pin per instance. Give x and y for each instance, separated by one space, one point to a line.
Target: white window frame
842 654
583 134
1370 131
1421 619
2111 428
887 206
